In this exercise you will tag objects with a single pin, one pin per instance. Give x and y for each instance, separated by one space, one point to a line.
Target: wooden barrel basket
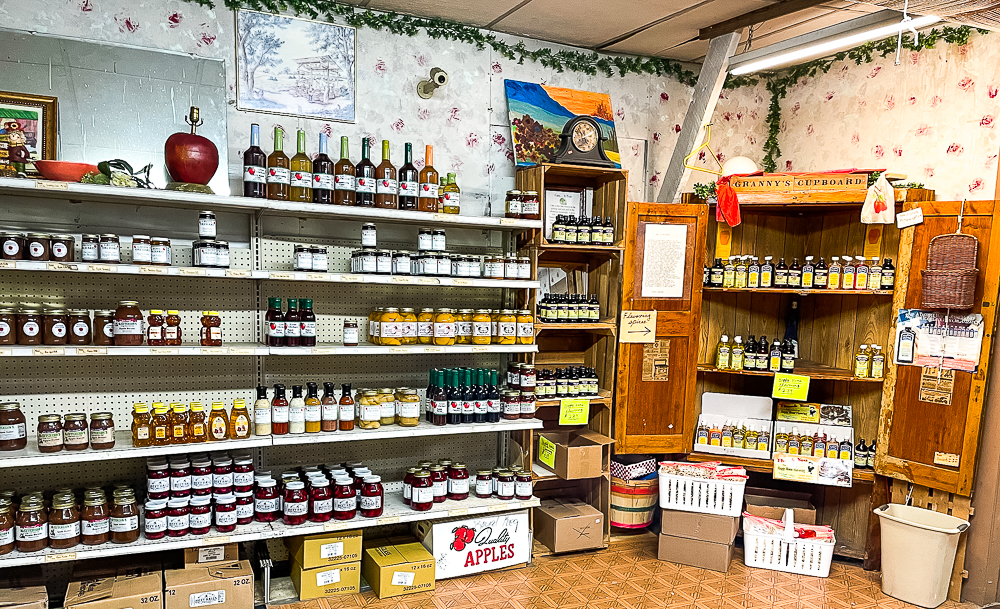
633 502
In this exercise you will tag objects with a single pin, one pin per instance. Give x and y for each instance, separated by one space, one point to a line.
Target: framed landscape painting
297 67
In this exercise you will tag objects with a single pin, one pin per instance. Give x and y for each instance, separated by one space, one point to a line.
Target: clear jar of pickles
387 406
373 325
463 327
506 328
409 407
369 410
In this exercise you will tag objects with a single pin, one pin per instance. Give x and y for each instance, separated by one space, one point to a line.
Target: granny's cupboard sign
801 182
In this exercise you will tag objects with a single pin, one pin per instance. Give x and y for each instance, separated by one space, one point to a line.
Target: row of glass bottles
856 273
779 356
730 435
583 230
816 445
869 362
180 424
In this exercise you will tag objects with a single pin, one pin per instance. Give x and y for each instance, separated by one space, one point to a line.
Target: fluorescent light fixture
826 42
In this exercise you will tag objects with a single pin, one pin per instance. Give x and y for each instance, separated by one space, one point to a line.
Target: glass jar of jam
425 239
180 478
244 507
102 431
511 404
95 520
463 327
425 326
154 331
6 526
13 430
408 484
527 403
422 497
110 249
31 526
62 248
124 518
458 482
142 250
505 485
225 513
211 329
90 247
159 251
530 209
104 327
157 478
13 245
345 499
439 482
512 204
302 258
205 253
372 495
54 328
295 510
200 515
201 476
527 377
484 484
222 475
8 326
178 517
522 486
50 433
222 259
242 474
38 247
320 499
128 329
29 326
266 501
155 522
64 523
78 323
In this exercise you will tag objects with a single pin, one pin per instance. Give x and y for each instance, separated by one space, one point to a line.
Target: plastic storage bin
918 553
785 553
687 494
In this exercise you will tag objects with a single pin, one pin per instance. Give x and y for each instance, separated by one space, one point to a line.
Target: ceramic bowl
64 171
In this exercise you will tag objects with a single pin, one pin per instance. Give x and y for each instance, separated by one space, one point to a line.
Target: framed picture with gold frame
27 131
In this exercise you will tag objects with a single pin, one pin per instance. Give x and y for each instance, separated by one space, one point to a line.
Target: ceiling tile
691 51
471 13
803 22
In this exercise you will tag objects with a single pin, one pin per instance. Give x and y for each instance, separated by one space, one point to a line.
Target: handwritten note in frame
663 260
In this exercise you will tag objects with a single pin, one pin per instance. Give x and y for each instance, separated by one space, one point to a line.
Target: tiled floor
628 576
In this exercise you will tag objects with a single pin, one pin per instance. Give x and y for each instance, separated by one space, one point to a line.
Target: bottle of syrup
821 274
781 274
795 274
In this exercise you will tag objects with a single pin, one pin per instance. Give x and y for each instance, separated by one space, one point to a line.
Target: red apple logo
252 171
361 182
298 176
402 186
274 326
385 183
273 172
316 178
427 187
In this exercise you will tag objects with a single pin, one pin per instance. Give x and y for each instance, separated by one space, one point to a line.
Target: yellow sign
574 411
873 241
790 387
638 327
796 468
802 413
547 451
723 241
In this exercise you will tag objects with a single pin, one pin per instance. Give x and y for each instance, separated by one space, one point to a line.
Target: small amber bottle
142 435
218 422
160 424
347 408
239 421
179 419
196 425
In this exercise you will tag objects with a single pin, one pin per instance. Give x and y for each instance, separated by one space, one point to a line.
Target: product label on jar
301 179
225 518
153 485
293 329
4 329
323 181
178 523
67 531
484 487
526 330
452 199
254 174
51 438
494 270
110 251
438 243
215 333
109 329
33 532
244 511
36 249
522 489
322 506
124 525
510 270
102 436
463 328
156 525
11 248
440 488
428 190
371 412
425 329
89 251
141 252
388 410
30 328
12 432
440 407
386 186
312 412
200 521
347 412
180 483
371 503
222 480
280 414
263 506
243 478
329 412
527 406
278 175
409 410
364 184
307 329
423 495
455 407
262 416
407 189
350 336
296 414
59 250
505 489
458 486
529 206
390 329
345 504
59 330
506 328
204 481
512 407
79 329
303 261
526 381
444 330
481 329
425 241
95 527
408 329
342 181
127 326
274 329
296 508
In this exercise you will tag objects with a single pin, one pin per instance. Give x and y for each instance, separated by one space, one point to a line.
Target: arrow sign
637 327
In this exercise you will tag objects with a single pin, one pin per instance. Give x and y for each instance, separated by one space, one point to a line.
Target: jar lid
422 474
372 479
386 390
49 418
124 498
167 239
32 506
223 461
506 472
178 502
138 237
91 236
446 310
173 312
458 465
465 310
28 311
413 470
486 311
437 468
11 234
484 472
513 192
266 482
63 237
319 481
391 310
103 312
200 500
39 236
406 310
321 248
438 231
506 311
10 406
179 408
155 466
156 504
523 312
295 485
370 393
128 303
427 310
78 312
7 311
210 313
156 311
201 462
224 244
94 499
424 230
206 213
229 498
344 480
402 253
511 393
59 502
109 236
299 248
53 311
530 192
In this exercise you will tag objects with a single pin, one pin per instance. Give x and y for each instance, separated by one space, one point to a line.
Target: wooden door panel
657 415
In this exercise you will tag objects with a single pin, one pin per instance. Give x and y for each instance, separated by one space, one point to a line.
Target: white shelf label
318 277
103 268
437 349
51 185
458 512
241 351
282 275
8 264
49 351
388 520
429 281
214 541
91 350
461 282
402 279
480 349
351 278
214 351
153 270
162 351
60 557
238 273
203 272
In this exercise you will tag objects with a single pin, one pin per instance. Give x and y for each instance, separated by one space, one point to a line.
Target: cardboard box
466 545
118 592
22 577
565 525
326 549
34 597
224 586
696 553
574 454
208 556
700 527
397 570
717 408
326 580
768 503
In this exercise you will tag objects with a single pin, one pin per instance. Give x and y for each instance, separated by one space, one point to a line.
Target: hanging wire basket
949 281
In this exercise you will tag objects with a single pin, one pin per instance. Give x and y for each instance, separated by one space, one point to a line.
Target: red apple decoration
190 157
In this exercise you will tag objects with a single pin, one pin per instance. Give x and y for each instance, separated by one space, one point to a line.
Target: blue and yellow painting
539 112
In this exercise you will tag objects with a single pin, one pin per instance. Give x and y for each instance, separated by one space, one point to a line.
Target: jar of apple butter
128 330
50 433
8 327
64 523
55 330
31 526
104 327
38 247
75 432
6 526
102 431
29 326
62 248
78 322
95 525
13 432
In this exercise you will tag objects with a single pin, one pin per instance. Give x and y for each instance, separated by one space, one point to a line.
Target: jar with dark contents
29 326
13 245
64 523
372 497
50 433
458 482
102 431
8 327
512 204
422 498
345 499
204 253
511 404
266 501
178 517
530 209
201 476
484 484
242 474
320 500
78 322
128 330
155 521
157 478
31 526
6 526
90 248
109 249
225 513
522 486
439 480
38 247
505 485
160 252
295 510
62 248
104 327
408 484
200 515
222 258
95 520
13 430
180 479
54 328
244 508
124 518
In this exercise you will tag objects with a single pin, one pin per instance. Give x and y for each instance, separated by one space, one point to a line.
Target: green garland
407 25
778 83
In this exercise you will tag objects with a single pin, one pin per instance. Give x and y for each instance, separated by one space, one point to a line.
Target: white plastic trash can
918 553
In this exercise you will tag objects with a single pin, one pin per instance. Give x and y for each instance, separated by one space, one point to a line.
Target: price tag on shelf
790 387
400 350
102 268
214 351
351 278
49 351
282 275
215 541
164 351
51 185
480 349
457 281
402 279
6 352
458 512
428 281
502 507
8 264
504 221
335 526
241 351
533 502
59 266
153 270
202 272
388 520
442 217
324 350
60 557
574 411
91 350
233 272
436 349
318 277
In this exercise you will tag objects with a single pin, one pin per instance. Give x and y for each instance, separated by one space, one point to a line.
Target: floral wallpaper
466 120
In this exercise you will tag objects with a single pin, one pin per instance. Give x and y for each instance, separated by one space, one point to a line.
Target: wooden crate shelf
808 368
604 326
603 397
864 476
801 292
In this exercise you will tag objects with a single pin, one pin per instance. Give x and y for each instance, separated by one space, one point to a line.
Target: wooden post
703 101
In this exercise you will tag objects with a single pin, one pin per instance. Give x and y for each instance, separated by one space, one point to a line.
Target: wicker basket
633 502
949 281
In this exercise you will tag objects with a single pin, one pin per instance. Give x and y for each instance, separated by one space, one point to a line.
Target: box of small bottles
734 425
814 453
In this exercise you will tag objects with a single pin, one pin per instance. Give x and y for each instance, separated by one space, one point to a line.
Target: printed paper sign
574 411
637 327
663 256
329 550
949 459
403 578
480 543
790 387
873 242
937 340
547 452
909 218
936 386
814 470
325 578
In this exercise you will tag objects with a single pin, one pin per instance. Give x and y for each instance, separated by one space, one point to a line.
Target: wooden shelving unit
813 370
800 292
765 466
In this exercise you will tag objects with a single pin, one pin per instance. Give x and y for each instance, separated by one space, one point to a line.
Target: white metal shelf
394 512
396 431
367 349
254 349
186 200
402 280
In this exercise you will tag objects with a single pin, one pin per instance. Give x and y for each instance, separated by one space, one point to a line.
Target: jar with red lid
320 500
296 505
242 474
527 402
156 519
178 517
95 520
157 480
265 503
439 482
222 475
372 497
458 482
522 486
104 327
345 501
201 477
128 324
423 492
505 485
408 484
180 479
200 515
225 513
484 484
244 508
